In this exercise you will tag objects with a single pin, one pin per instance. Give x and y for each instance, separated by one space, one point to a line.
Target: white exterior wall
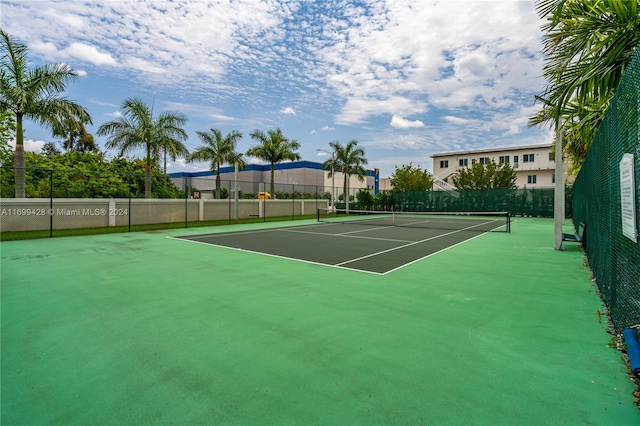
32 214
385 184
541 168
354 182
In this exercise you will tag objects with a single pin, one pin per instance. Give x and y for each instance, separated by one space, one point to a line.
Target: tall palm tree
137 128
172 148
588 44
349 160
218 150
34 94
274 148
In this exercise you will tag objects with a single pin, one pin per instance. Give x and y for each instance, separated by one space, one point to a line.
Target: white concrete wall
30 214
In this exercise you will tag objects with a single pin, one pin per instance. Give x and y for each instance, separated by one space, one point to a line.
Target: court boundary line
345 235
228 233
434 253
339 265
415 242
344 268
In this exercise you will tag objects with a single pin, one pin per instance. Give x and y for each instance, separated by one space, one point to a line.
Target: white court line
410 244
436 252
219 234
233 233
278 256
431 254
364 230
338 265
344 235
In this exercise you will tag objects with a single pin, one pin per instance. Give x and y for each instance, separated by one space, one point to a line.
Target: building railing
446 186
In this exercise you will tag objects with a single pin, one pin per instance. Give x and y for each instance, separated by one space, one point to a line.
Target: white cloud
402 123
455 120
101 103
322 129
88 53
29 145
254 160
180 162
198 110
353 65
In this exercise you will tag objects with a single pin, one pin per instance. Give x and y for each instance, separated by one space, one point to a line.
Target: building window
444 164
552 156
473 161
464 162
515 158
553 178
484 160
504 159
531 179
528 158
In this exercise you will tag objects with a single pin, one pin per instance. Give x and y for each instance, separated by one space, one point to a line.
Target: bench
577 237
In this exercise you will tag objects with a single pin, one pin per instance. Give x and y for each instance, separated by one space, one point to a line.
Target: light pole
333 176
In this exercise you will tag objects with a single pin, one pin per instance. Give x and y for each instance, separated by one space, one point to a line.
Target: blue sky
406 78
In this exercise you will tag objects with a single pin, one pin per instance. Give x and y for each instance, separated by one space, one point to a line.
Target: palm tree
173 148
137 128
218 150
274 148
588 44
349 160
33 93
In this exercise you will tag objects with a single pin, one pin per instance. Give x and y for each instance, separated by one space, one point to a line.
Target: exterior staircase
442 185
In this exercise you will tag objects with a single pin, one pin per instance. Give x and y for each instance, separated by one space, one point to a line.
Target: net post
50 203
318 214
508 222
558 201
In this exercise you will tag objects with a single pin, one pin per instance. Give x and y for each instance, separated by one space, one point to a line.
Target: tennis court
138 328
376 242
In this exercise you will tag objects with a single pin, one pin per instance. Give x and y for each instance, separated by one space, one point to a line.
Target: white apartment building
534 166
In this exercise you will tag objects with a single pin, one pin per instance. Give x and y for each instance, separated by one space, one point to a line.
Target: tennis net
463 221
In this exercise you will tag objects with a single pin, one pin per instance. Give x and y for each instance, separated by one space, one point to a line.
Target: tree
7 126
409 178
137 128
173 148
349 160
588 44
218 150
49 149
75 137
7 133
274 148
76 174
490 176
33 93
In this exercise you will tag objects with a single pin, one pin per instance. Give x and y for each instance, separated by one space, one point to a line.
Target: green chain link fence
614 258
70 202
518 202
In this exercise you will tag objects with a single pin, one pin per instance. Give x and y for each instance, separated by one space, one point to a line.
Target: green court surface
141 329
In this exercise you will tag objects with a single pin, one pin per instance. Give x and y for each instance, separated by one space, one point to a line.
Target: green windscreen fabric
597 202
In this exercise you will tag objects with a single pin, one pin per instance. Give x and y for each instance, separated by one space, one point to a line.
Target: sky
405 78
